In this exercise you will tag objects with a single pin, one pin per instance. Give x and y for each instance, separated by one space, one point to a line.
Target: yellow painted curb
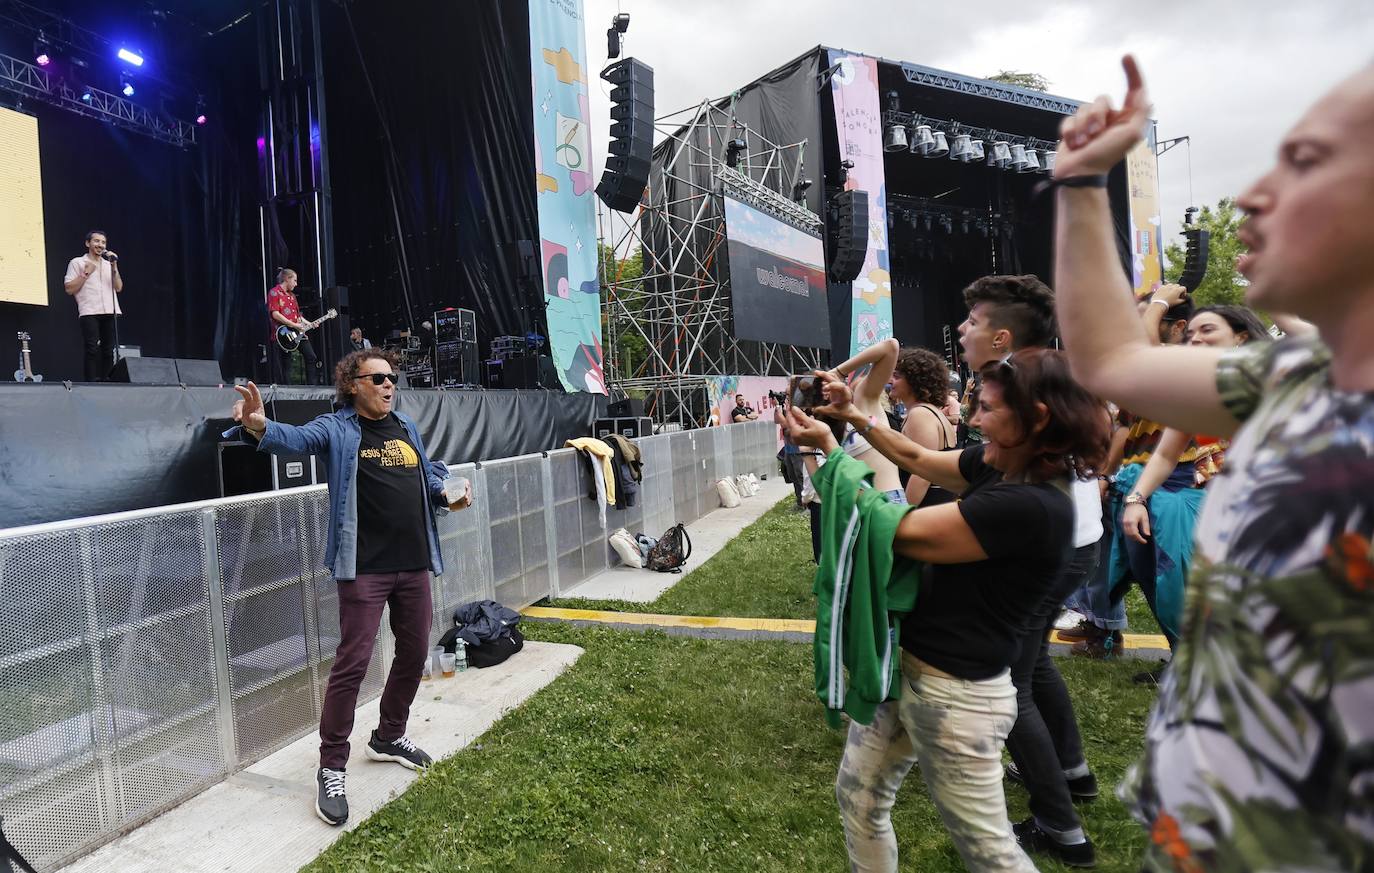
775 625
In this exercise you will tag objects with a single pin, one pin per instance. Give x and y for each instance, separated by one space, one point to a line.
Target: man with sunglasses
382 546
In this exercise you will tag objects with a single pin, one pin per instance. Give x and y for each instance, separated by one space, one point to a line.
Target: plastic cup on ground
434 654
427 669
446 664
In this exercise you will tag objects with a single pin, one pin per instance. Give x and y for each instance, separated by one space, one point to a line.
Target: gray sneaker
331 804
401 750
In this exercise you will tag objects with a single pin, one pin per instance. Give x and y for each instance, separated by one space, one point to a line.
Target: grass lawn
766 572
658 753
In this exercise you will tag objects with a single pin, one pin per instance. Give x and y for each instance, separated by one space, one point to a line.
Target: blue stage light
130 57
128 89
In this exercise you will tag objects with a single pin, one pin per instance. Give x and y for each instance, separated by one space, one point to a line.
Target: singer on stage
94 280
283 310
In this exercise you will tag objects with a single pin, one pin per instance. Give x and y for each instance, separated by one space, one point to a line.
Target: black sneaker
1036 841
330 802
1082 788
1150 677
401 750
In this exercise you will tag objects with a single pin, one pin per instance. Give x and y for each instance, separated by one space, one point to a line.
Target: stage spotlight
961 149
977 150
799 190
941 146
1000 155
894 138
42 59
922 140
126 86
1018 158
621 22
201 119
1049 160
733 149
130 57
1032 164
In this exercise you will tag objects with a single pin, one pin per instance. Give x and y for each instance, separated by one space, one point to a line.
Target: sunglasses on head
378 377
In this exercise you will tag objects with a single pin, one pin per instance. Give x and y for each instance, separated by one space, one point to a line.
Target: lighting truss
681 305
931 77
29 80
952 129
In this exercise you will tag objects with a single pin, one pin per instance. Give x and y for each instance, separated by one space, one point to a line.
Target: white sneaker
1067 619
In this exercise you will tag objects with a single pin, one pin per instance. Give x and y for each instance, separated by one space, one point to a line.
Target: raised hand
1099 136
837 392
1171 294
807 431
248 408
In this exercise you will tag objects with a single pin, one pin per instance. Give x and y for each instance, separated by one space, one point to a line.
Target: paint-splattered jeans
955 730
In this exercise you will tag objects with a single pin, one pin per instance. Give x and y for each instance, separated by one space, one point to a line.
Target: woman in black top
920 381
992 556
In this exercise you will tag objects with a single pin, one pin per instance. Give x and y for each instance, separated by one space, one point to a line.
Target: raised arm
882 356
1102 334
272 436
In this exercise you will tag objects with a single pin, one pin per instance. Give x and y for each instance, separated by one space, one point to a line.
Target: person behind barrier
382 546
1257 751
94 280
994 556
284 311
742 411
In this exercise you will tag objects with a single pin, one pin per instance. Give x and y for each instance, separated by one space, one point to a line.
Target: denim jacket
335 439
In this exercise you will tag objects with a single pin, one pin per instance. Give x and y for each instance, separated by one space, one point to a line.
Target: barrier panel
147 655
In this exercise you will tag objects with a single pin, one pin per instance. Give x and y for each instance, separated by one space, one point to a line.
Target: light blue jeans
955 729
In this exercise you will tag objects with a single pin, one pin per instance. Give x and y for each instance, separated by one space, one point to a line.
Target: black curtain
431 157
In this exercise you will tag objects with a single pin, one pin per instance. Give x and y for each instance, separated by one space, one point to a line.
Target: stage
79 450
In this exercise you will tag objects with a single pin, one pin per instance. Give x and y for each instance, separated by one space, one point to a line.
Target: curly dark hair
1021 304
1076 437
926 373
347 371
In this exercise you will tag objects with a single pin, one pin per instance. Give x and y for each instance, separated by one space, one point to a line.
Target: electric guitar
289 339
25 372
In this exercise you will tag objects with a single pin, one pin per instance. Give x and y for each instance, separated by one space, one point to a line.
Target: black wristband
1098 181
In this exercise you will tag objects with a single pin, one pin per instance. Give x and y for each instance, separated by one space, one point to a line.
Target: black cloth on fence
626 474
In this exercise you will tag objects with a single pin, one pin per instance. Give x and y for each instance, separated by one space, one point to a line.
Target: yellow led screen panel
23 267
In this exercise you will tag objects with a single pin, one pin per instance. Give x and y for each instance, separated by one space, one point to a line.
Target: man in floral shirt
284 311
1259 754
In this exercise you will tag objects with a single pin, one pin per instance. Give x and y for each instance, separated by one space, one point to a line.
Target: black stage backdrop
431 151
93 449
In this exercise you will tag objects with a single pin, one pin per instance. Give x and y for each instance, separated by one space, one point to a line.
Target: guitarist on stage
283 310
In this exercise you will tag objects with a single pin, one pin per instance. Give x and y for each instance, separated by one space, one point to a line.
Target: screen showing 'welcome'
777 279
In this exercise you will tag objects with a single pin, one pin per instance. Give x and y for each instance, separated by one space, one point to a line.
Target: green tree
1033 81
1223 284
630 347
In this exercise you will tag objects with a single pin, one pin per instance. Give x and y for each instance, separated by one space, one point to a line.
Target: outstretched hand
807 431
248 409
1096 138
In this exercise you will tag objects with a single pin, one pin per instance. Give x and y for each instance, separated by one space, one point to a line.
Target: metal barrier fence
147 655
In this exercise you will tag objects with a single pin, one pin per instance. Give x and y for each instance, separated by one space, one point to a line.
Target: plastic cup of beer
448 664
427 669
434 654
454 488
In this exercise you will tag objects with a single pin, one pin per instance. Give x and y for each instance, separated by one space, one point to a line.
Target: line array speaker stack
455 348
632 134
848 234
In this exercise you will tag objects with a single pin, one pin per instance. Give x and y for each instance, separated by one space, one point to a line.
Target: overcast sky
1231 75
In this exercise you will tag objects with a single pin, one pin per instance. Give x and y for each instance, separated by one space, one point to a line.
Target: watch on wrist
1135 497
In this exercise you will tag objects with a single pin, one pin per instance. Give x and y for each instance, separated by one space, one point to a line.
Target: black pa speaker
1195 259
848 234
632 134
146 371
630 407
191 371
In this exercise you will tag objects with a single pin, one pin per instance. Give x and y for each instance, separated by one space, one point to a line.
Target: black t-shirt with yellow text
391 500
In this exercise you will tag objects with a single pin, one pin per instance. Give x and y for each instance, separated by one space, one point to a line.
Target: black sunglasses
378 377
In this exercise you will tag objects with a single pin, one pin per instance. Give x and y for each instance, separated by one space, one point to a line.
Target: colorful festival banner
859 122
567 204
1147 250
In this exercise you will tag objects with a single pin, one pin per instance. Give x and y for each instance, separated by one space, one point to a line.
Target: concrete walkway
709 534
262 819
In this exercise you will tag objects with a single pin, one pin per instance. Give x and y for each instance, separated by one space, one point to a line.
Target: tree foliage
1033 81
630 348
1223 284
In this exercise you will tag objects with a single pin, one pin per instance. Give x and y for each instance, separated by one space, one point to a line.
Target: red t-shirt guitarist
283 310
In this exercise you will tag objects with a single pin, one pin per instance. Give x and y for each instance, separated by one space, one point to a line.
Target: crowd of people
1175 447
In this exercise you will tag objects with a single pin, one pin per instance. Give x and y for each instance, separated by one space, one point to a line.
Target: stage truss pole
681 306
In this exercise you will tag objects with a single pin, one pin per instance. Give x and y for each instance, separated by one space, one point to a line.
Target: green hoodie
862 590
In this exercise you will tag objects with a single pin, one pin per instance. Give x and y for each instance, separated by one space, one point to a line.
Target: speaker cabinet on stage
525 371
848 234
631 428
632 134
337 329
146 371
630 407
456 363
194 372
245 470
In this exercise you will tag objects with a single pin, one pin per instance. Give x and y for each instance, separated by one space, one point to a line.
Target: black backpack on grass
671 551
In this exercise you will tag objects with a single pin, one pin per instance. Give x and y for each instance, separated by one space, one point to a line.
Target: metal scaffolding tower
680 307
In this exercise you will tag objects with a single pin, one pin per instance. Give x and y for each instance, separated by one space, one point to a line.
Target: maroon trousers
360 614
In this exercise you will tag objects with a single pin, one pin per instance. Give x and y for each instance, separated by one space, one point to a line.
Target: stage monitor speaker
299 411
630 407
525 371
632 134
848 234
245 470
631 428
195 372
146 371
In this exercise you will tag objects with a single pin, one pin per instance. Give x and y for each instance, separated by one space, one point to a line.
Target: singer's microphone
110 256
